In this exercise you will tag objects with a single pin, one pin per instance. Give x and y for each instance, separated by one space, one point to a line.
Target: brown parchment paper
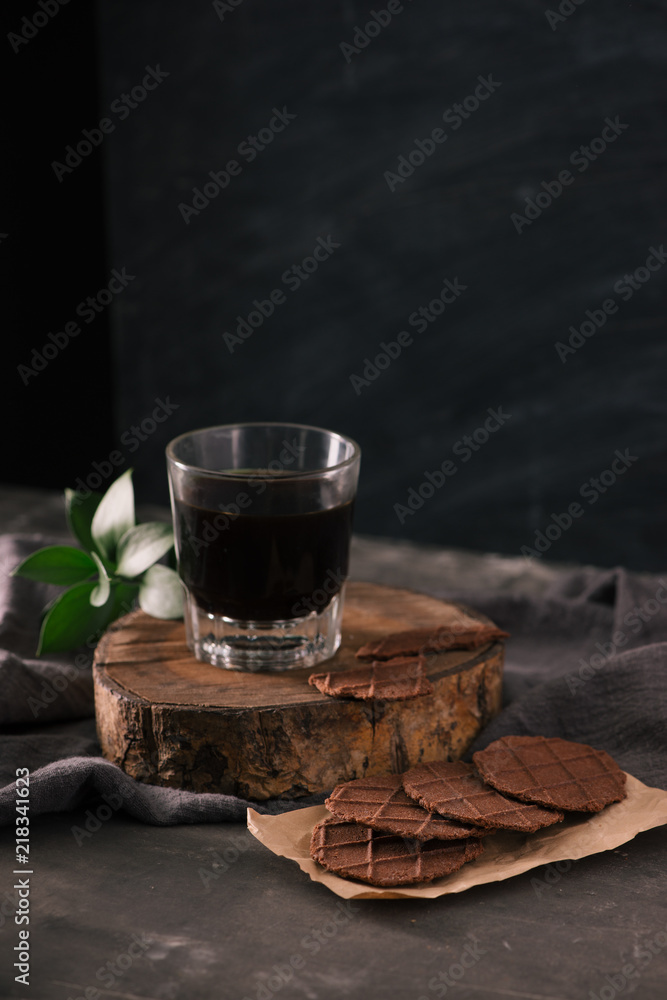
505 854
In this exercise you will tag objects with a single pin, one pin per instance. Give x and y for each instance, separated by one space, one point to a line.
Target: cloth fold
587 661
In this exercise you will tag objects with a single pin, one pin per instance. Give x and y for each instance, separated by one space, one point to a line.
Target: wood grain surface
168 719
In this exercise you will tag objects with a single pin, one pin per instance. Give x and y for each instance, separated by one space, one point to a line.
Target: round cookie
552 772
455 789
382 804
395 680
357 852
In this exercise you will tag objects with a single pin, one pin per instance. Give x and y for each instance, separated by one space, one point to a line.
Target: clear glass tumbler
263 519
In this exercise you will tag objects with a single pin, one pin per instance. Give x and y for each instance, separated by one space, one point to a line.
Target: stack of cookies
428 822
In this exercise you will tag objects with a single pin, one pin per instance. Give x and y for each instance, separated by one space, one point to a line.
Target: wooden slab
168 719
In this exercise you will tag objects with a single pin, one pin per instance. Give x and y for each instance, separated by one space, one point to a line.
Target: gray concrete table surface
124 910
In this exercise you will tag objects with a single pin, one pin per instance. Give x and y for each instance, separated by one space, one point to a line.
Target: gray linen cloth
587 660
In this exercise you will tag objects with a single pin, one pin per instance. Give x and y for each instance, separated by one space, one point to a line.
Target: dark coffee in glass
263 520
264 566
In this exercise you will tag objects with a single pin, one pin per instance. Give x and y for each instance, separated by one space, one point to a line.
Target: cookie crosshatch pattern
355 851
552 772
383 804
455 789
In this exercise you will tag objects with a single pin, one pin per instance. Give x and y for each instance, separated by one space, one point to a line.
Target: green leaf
72 620
123 596
161 593
80 512
57 564
114 515
140 547
100 594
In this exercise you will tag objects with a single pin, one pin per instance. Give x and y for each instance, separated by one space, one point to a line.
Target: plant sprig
116 566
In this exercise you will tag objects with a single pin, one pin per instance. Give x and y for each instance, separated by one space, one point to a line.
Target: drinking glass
263 519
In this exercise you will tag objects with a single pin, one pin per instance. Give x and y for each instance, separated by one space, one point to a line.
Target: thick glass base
253 646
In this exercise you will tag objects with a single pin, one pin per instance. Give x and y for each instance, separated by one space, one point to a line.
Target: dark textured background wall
324 176
57 401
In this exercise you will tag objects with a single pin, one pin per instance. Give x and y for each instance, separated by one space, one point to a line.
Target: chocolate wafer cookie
399 680
358 852
382 804
469 634
456 790
552 772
